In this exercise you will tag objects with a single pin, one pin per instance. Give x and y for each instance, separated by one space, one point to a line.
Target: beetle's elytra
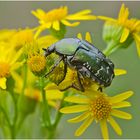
85 58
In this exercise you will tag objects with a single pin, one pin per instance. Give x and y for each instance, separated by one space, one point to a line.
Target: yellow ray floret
98 107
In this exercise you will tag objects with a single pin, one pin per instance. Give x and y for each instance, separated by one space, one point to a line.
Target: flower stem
46 115
111 48
59 115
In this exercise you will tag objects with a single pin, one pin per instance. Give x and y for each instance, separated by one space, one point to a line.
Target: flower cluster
32 79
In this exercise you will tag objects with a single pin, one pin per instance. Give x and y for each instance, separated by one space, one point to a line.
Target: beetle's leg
71 86
55 65
79 82
100 89
65 71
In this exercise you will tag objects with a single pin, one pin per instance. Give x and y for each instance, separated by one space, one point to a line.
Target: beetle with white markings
85 58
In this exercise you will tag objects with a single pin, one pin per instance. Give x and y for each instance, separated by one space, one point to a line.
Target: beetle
85 58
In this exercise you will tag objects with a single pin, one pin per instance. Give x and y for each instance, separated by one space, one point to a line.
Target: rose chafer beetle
85 58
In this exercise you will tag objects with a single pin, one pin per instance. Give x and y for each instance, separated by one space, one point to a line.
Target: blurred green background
18 15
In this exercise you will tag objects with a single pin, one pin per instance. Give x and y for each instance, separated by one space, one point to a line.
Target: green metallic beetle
86 59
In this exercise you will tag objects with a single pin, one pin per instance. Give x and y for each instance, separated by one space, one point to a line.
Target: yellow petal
115 126
84 126
83 12
104 129
79 35
65 22
121 114
123 14
137 40
18 54
3 83
39 13
17 65
121 104
124 35
18 81
38 32
107 18
121 97
79 118
52 103
74 109
54 94
88 37
81 17
75 99
47 25
56 25
122 9
51 86
119 72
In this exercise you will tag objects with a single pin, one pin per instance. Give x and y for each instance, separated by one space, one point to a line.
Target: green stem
16 123
9 123
46 115
59 115
25 79
111 47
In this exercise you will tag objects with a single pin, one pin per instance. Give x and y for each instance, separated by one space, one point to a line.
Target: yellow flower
37 64
130 27
8 63
46 41
100 108
54 18
22 37
6 34
53 95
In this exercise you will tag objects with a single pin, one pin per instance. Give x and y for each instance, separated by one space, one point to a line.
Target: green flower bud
112 34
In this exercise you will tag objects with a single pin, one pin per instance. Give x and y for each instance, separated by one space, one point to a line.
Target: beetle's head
46 52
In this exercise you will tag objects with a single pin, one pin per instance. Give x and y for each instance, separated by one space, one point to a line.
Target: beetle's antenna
44 49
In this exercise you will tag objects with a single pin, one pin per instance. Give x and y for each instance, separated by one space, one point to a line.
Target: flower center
37 64
56 14
100 108
4 69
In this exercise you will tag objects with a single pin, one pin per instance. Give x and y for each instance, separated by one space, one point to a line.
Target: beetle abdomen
96 68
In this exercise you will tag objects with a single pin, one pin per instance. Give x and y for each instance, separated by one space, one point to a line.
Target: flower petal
79 118
75 99
74 109
83 12
137 40
79 35
104 129
115 126
88 37
124 35
121 97
119 72
121 104
54 94
65 22
39 13
107 19
84 126
3 83
121 114
82 17
123 14
56 25
18 54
